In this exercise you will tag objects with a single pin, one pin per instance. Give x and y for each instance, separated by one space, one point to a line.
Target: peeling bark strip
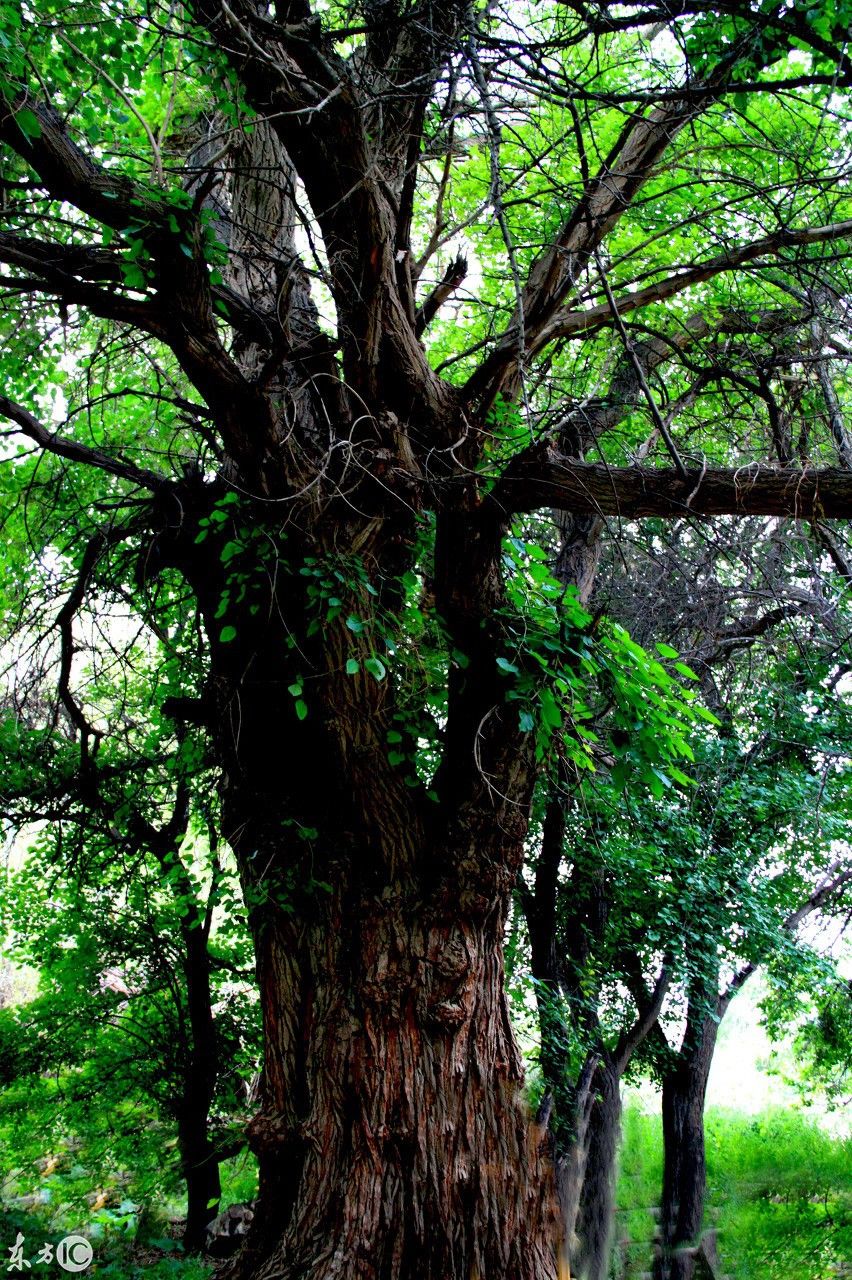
562 483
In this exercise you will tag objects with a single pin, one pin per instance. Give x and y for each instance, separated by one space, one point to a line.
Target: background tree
238 228
662 896
141 1002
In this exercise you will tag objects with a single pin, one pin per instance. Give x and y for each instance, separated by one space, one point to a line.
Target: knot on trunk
451 977
270 1131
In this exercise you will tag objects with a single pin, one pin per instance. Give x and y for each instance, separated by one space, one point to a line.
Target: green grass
779 1191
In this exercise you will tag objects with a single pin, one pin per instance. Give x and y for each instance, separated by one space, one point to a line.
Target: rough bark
543 478
393 1139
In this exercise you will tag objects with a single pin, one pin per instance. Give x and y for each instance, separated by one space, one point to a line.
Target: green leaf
353 666
376 667
301 709
28 123
227 634
230 550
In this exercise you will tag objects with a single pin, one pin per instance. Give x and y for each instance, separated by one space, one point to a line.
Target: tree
661 896
141 1000
319 497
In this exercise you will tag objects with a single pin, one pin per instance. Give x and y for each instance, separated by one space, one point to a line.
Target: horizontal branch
75 452
72 272
544 479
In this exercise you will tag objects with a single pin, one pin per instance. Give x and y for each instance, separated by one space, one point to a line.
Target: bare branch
836 878
571 323
452 278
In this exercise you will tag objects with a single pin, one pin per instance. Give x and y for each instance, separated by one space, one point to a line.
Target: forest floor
779 1197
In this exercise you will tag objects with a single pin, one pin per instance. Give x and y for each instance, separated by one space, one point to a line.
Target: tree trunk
596 1216
684 1168
394 1141
199 1161
200 1168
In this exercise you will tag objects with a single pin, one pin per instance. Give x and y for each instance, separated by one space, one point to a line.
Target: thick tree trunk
684 1167
394 1141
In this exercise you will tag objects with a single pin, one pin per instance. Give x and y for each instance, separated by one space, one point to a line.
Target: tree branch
312 99
570 323
75 452
649 1007
452 278
629 165
543 478
837 877
174 237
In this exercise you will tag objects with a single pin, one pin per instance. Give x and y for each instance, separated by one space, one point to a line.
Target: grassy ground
779 1192
66 1168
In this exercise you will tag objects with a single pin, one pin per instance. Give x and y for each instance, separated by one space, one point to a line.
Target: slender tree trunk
199 1161
200 1168
596 1217
684 1166
568 1118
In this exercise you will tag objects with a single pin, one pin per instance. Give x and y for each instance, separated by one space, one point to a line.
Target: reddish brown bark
394 1141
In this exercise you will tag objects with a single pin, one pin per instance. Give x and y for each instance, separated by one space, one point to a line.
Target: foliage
780 1193
333 337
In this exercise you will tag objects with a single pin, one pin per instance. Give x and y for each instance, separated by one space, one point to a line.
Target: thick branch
70 271
183 317
542 478
602 204
311 97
